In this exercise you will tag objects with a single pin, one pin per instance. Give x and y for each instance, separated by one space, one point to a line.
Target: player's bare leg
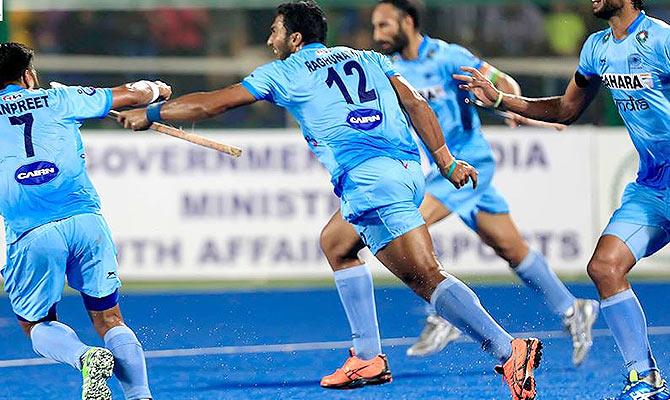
437 333
578 315
340 243
130 367
609 266
500 233
412 259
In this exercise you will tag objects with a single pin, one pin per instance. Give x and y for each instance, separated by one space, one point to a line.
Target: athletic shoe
356 373
517 371
579 323
649 387
436 335
97 365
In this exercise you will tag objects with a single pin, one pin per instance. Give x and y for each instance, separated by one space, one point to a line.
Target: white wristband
143 85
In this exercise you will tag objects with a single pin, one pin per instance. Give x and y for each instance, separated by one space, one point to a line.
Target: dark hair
413 8
305 17
15 59
638 4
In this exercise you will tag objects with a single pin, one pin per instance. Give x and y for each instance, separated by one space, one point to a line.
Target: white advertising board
181 212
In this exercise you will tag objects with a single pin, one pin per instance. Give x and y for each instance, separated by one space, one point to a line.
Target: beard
283 51
397 44
608 10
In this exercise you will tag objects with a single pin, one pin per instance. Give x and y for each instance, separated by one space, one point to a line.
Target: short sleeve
459 56
81 103
264 82
586 66
385 64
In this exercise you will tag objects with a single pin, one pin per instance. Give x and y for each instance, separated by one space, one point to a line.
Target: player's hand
134 119
521 120
478 84
461 175
164 89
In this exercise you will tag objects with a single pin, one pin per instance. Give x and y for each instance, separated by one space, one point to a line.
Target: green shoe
97 365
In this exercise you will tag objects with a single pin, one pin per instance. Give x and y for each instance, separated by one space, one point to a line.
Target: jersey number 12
363 94
27 120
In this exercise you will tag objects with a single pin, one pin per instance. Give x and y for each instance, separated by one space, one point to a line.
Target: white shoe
579 322
436 335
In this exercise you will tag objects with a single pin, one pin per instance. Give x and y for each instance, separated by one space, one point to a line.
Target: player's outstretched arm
424 120
190 107
139 93
563 109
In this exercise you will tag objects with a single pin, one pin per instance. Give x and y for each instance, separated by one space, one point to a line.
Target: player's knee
328 241
604 267
28 325
511 250
425 274
104 311
339 253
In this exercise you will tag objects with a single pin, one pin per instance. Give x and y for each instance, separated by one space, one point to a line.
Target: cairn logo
12 97
365 119
89 91
111 275
36 173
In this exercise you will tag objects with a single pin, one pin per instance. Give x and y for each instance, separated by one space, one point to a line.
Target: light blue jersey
42 167
344 103
431 74
637 72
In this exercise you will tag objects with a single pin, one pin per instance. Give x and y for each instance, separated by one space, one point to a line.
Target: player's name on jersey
629 81
320 62
24 105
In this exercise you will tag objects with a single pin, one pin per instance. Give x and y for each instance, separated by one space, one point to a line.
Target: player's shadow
296 383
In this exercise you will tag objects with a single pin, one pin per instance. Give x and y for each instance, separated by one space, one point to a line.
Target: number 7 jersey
42 167
344 103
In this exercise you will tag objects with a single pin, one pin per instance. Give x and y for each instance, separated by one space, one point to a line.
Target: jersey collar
422 51
632 27
11 88
423 47
315 45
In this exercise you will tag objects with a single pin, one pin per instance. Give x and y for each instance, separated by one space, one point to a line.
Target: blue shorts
79 247
381 198
643 220
468 202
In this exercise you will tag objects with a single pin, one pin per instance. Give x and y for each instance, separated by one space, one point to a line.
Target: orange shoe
518 369
356 373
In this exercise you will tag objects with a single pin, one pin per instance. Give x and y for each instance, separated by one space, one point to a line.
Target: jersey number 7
27 120
363 94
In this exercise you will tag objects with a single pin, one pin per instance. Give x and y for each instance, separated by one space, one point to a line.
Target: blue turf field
223 360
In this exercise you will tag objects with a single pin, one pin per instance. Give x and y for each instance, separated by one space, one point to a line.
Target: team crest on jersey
12 97
642 36
365 119
36 173
629 81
